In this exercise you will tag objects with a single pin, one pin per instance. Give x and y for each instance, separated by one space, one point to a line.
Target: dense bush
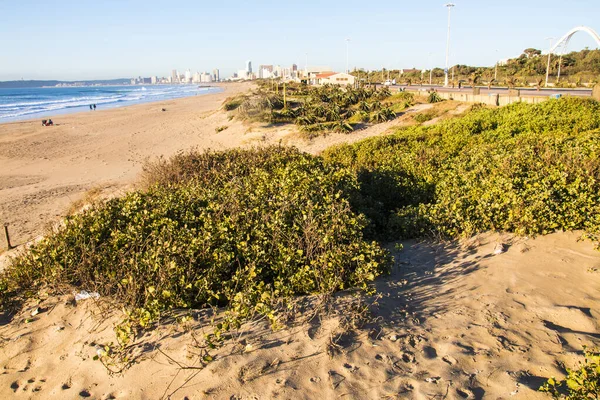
579 384
528 169
241 228
425 116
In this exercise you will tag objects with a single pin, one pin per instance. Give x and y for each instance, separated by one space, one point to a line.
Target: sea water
29 103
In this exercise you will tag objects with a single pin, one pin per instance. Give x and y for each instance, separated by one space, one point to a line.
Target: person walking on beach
94 107
90 106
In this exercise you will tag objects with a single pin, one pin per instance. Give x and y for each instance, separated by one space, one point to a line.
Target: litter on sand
83 295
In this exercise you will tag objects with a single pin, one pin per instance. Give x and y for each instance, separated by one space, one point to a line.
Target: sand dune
455 321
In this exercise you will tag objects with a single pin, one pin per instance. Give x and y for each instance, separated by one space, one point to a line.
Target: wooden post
10 246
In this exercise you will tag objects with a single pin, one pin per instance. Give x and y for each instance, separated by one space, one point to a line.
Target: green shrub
233 103
243 229
528 169
425 116
581 384
434 97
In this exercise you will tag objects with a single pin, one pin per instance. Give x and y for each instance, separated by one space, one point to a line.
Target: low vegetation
320 109
579 384
425 116
527 169
243 229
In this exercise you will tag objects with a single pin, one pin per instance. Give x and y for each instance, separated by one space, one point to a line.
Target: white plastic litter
83 295
499 249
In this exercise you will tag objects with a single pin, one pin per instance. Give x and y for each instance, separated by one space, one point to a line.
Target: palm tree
342 125
383 115
538 84
474 79
384 93
364 106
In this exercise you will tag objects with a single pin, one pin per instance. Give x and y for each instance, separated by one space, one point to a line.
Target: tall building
216 76
174 76
249 67
197 78
205 77
188 76
264 73
154 80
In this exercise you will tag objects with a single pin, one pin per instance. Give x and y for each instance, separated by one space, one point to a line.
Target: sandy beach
456 319
47 168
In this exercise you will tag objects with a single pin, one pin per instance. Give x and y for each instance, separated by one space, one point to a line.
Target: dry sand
456 321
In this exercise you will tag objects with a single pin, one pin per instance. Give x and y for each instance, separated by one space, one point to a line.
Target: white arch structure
563 42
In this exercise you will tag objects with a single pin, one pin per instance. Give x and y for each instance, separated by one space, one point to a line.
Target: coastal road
500 90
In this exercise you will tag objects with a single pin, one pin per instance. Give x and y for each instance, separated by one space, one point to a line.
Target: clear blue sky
54 39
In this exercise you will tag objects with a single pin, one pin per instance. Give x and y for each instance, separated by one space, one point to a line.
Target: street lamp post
347 55
550 39
430 70
562 51
449 6
496 69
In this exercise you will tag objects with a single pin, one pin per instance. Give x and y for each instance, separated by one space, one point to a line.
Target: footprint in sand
465 393
430 352
408 357
450 360
351 368
32 385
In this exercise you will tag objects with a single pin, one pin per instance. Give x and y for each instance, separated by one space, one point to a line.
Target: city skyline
110 43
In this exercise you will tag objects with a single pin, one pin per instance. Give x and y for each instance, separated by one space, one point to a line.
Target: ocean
29 103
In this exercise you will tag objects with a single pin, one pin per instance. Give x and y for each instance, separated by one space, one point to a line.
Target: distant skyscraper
205 77
249 67
216 76
188 76
174 75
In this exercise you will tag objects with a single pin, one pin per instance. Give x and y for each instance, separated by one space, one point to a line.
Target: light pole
306 67
347 55
562 51
496 69
449 6
550 39
430 70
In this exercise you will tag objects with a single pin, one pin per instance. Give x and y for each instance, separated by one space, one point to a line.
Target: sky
106 39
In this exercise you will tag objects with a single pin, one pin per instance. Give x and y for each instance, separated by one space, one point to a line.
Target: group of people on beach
49 121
